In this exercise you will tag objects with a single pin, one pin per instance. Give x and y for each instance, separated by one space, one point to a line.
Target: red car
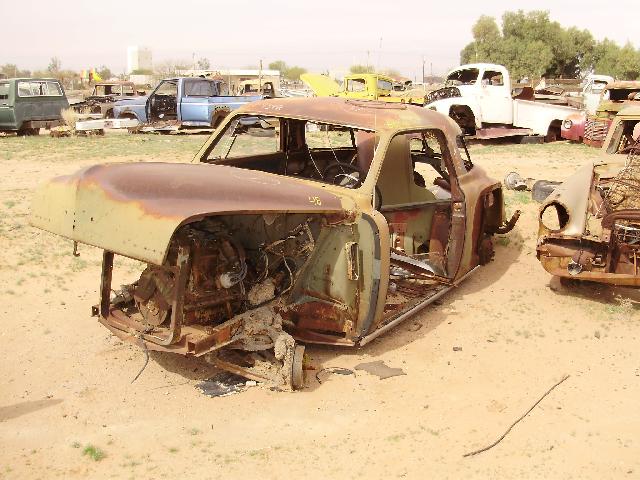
573 127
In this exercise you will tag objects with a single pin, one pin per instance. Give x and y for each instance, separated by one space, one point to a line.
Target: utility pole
260 78
422 81
367 60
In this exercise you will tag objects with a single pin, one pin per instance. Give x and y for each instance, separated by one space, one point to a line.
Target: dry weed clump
70 117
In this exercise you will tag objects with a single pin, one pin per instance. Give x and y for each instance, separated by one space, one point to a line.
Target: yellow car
365 86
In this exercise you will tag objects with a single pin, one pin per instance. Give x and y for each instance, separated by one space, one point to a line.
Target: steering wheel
343 174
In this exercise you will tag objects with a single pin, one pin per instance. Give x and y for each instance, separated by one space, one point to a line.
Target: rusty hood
133 209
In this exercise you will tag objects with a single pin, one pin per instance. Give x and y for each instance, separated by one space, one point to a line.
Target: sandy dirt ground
68 408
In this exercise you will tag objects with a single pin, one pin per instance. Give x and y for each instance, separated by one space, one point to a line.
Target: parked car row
28 104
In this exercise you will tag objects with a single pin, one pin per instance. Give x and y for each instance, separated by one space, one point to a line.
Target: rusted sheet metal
364 114
251 261
559 267
98 205
573 195
590 225
498 132
321 316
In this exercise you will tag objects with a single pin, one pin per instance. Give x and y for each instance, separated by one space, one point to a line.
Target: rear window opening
4 91
39 88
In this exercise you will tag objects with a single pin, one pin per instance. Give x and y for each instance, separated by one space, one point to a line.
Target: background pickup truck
182 102
366 86
104 95
479 98
28 104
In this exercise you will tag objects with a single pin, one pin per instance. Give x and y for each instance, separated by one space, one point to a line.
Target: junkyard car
181 103
337 222
28 104
573 127
590 225
364 86
104 95
615 97
588 101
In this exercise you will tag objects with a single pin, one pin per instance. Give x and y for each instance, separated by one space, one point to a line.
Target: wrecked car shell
305 220
615 97
590 225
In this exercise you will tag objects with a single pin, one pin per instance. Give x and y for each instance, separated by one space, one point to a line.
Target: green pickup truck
28 104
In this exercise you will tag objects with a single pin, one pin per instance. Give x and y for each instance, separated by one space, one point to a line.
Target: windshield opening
322 152
621 94
462 77
625 136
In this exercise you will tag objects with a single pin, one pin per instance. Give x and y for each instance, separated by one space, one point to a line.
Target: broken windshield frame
312 150
466 159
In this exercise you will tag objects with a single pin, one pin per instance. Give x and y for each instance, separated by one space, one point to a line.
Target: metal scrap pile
624 193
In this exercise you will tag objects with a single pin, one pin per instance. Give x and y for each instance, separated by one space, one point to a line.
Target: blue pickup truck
182 102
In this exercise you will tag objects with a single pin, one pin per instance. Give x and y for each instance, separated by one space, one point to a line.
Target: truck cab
490 85
480 99
182 102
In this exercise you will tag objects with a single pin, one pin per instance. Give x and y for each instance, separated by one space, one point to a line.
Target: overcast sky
317 35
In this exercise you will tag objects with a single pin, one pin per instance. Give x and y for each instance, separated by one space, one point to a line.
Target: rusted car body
590 225
104 95
615 97
573 127
304 220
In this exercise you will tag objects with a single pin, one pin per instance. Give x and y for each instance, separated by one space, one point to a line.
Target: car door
495 99
6 117
194 100
162 103
355 87
419 199
54 101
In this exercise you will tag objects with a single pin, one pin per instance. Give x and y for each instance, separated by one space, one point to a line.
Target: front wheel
28 132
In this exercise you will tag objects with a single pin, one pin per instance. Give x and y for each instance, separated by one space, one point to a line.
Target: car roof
361 114
478 66
23 79
630 111
623 85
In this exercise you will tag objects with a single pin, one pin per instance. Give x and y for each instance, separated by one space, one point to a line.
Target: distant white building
139 58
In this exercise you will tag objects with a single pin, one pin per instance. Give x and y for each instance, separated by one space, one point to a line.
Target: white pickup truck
480 99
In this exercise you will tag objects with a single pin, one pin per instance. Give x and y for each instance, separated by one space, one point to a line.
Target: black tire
531 140
542 189
28 132
554 133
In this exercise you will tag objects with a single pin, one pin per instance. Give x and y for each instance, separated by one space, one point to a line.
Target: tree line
531 45
53 70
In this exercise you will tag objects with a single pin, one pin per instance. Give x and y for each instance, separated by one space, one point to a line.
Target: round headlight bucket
554 217
567 124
